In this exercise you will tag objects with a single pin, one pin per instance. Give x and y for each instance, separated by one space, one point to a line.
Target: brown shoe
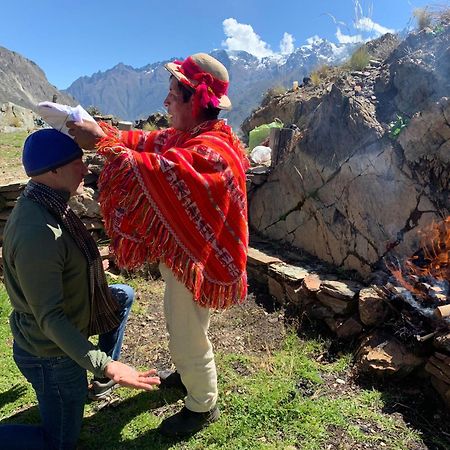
187 422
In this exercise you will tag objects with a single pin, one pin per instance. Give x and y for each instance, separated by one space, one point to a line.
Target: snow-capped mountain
132 93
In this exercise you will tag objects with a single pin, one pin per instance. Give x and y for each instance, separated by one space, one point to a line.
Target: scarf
104 308
179 198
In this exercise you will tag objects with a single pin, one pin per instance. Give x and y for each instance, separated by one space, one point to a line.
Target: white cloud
314 40
241 36
348 39
287 44
367 24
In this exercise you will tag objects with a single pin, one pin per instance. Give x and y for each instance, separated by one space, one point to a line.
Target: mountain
24 83
131 93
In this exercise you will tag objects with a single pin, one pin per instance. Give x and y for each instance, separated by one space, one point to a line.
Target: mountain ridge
132 93
24 83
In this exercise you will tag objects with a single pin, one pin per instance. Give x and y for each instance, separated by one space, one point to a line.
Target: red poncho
179 198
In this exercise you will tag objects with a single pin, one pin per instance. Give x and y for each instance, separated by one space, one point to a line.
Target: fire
427 273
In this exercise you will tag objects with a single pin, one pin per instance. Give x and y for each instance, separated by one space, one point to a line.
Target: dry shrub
15 122
434 16
424 17
319 74
271 93
149 126
359 59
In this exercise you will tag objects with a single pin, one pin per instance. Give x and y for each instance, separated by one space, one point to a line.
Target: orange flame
431 262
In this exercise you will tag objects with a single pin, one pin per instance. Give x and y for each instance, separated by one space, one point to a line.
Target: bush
147 126
16 122
271 93
319 74
359 59
94 110
424 17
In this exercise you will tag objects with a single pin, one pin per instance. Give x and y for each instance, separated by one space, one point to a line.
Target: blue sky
69 39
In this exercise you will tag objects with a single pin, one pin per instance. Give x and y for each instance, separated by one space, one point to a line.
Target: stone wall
391 339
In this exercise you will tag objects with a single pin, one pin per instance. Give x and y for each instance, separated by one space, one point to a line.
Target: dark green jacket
46 276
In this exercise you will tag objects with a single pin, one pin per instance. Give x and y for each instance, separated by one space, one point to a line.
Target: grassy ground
10 156
286 395
277 391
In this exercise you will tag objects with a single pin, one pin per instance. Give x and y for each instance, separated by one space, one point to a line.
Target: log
442 311
438 369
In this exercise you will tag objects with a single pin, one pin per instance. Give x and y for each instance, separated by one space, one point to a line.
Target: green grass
11 153
270 401
14 140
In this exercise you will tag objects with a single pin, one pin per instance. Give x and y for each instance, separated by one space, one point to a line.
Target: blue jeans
111 342
61 389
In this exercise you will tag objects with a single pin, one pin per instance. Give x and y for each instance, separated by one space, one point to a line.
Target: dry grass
359 59
16 122
319 74
424 17
271 93
149 127
432 16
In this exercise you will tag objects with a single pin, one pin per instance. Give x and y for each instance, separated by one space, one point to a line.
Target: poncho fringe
151 239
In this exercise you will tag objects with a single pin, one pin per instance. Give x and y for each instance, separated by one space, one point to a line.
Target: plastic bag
261 155
258 134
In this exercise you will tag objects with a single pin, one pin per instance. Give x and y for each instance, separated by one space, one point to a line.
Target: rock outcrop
24 83
371 167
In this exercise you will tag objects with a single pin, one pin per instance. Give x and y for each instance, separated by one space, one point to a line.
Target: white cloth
191 350
56 115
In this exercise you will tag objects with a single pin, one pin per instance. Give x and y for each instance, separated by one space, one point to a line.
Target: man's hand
129 377
86 133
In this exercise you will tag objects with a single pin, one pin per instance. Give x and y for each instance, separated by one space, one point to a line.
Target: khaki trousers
191 351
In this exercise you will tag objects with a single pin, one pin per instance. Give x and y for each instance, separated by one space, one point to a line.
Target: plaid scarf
104 308
179 197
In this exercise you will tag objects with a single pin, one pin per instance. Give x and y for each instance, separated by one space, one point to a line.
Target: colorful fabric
179 198
207 89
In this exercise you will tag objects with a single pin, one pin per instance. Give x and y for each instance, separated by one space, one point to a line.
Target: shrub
15 122
359 59
147 126
94 110
396 126
271 93
424 17
319 74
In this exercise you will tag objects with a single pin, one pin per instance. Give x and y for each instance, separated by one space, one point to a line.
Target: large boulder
16 118
352 191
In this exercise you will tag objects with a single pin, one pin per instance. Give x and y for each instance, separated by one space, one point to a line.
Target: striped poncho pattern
179 198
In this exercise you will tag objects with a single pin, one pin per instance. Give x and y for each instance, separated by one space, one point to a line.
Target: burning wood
427 273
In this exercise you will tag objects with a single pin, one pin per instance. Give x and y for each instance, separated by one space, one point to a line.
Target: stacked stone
354 312
85 206
9 193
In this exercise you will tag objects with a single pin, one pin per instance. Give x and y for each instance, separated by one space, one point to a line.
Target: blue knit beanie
48 149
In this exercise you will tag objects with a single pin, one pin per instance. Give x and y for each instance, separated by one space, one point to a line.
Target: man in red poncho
178 196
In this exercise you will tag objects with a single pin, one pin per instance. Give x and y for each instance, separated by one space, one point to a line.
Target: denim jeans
111 342
61 389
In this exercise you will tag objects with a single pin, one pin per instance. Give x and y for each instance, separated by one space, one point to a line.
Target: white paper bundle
57 115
